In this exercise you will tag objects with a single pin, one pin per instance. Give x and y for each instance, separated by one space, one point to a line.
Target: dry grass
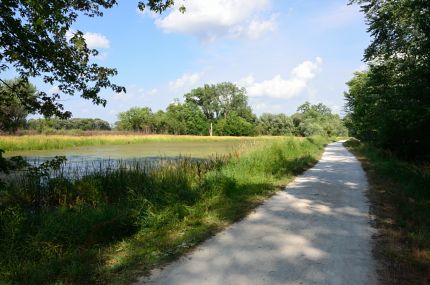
400 202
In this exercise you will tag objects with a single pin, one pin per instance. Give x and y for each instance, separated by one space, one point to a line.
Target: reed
114 224
46 142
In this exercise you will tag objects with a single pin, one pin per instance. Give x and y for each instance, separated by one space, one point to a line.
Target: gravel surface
317 231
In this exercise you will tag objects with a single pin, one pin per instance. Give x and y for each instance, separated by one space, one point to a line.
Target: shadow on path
317 231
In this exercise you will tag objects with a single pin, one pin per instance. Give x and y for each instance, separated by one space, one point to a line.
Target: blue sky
285 52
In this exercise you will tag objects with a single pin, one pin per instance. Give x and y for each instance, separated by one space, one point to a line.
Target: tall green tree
392 107
159 122
317 119
234 125
275 124
12 111
186 118
218 100
136 119
362 114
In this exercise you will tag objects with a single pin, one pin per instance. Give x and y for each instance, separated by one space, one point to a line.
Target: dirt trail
317 231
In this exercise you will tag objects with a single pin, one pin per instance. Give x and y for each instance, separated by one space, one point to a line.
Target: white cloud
211 19
186 80
306 70
257 28
93 41
278 87
96 40
262 105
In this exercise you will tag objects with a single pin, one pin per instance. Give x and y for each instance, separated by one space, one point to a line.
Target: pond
84 160
197 149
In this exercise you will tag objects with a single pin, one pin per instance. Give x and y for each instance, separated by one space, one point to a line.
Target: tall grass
113 225
46 142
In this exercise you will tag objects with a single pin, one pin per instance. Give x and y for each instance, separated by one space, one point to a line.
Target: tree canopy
55 124
12 112
317 119
37 40
389 105
275 124
218 100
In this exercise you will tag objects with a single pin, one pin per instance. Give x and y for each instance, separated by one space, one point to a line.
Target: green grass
111 226
46 142
400 194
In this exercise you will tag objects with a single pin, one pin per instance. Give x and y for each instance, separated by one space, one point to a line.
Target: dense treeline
83 124
225 107
218 109
388 109
389 104
13 112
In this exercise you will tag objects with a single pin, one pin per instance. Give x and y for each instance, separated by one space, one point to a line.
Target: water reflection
77 166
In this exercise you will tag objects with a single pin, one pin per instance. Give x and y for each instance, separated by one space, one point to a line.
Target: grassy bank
400 196
46 142
111 226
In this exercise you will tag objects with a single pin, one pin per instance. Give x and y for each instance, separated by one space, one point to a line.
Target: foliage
12 111
311 120
218 100
108 226
37 40
390 103
226 106
234 125
12 164
275 125
186 119
83 124
135 119
178 119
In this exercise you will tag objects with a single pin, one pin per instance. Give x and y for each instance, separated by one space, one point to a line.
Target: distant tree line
13 112
389 104
225 107
83 124
220 109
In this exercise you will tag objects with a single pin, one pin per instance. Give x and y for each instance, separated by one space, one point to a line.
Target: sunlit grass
45 142
111 226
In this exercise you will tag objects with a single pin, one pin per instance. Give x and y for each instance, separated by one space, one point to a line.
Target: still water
140 150
84 160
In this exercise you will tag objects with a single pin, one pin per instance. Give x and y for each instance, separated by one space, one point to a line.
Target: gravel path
317 231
